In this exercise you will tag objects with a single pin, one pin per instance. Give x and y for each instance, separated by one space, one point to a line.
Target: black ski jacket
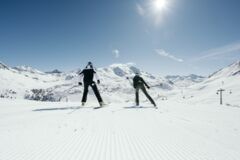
88 75
137 81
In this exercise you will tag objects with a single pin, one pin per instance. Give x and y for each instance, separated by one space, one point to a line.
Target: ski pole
129 81
158 85
70 88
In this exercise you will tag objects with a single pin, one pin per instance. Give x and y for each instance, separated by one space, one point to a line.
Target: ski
98 107
74 110
102 106
141 107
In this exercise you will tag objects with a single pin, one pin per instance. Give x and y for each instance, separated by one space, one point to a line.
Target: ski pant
142 87
95 90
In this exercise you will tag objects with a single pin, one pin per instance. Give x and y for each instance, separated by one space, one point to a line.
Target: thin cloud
116 53
140 10
163 53
220 51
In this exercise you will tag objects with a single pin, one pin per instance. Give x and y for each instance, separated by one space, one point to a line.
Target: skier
87 75
139 83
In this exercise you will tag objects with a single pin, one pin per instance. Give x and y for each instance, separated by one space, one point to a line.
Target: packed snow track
62 131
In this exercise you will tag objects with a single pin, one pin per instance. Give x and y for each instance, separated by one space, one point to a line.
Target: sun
159 5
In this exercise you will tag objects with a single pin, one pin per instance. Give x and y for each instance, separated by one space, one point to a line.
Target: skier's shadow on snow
135 107
57 109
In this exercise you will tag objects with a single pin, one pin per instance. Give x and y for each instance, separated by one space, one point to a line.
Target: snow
63 86
28 69
24 79
185 81
224 79
231 70
3 66
189 125
177 130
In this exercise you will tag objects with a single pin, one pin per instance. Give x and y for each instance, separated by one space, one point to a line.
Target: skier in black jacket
88 74
139 83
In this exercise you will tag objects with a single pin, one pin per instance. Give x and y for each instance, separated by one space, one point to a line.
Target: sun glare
159 5
155 10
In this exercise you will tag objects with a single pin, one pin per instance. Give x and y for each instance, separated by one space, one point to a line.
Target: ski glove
98 81
79 83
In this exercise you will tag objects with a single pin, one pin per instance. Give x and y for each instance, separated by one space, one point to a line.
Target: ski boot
155 106
102 104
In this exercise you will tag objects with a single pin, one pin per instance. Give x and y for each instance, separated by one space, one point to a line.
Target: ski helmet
90 65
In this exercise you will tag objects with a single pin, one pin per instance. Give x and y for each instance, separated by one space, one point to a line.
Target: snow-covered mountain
26 82
114 84
227 78
17 80
55 71
195 127
3 66
27 69
30 83
227 74
185 81
231 70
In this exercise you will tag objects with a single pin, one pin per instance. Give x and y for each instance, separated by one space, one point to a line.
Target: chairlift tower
220 92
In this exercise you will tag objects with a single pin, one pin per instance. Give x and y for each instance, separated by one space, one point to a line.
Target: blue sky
180 37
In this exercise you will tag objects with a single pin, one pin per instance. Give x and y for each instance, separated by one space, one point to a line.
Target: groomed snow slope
176 131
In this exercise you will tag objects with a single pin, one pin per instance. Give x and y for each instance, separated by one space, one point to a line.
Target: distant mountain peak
25 68
185 81
3 66
231 70
123 69
55 71
192 76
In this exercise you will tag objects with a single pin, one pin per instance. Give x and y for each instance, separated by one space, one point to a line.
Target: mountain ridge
29 83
